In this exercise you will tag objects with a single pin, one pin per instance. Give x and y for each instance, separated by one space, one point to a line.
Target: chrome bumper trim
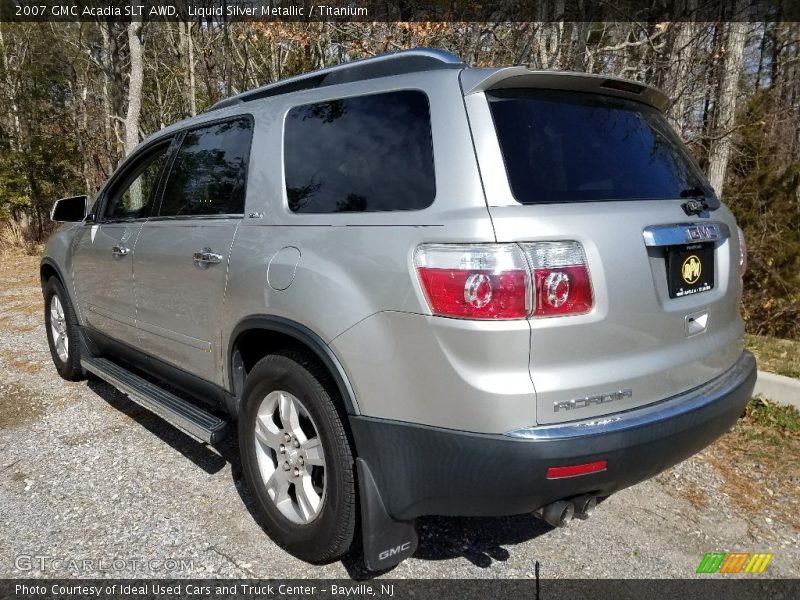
694 399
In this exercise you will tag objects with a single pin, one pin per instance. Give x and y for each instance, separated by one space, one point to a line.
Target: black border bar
730 587
642 11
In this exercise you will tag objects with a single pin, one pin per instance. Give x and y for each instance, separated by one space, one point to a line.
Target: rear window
568 146
361 154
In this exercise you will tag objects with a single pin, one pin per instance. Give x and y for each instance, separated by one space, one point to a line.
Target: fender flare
307 337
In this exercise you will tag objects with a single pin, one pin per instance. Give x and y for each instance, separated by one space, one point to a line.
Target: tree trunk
136 78
12 93
726 103
192 85
111 93
679 70
187 58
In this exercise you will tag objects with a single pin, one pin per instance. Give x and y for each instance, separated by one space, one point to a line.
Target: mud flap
387 542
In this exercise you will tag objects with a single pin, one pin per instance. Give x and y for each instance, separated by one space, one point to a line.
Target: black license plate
690 269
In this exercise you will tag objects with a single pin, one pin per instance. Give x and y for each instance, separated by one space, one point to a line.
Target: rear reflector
575 470
480 281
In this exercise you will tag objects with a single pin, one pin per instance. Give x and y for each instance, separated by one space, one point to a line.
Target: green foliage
775 355
781 419
38 158
14 196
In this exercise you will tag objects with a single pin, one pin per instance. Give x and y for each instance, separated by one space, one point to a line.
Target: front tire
296 456
62 331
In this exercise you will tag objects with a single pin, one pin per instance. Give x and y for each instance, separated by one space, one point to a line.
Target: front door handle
206 257
119 251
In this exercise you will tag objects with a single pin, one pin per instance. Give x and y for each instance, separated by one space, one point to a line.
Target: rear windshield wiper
698 202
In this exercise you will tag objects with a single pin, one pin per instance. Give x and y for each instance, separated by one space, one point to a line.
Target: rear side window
368 153
209 174
568 146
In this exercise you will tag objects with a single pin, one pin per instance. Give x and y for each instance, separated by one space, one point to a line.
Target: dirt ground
87 474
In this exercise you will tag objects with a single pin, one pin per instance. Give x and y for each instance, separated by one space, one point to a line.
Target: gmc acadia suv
414 288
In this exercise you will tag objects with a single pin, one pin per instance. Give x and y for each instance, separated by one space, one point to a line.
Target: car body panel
103 280
180 302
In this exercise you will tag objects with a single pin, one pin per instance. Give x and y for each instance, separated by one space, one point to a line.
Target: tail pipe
561 512
584 506
557 514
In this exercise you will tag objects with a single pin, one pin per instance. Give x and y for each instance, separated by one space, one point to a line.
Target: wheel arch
49 268
258 335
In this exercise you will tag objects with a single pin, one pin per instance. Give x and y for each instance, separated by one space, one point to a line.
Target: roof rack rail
384 65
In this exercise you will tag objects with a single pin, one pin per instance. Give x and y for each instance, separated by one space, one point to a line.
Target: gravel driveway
87 474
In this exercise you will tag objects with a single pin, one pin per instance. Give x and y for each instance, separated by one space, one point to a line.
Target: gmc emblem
392 551
702 232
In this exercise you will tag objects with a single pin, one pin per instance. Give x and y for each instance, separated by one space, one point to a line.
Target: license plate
690 269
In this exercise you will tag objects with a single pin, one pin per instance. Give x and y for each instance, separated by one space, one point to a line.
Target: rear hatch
605 170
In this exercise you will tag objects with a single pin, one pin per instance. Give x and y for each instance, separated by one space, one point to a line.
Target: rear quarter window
360 154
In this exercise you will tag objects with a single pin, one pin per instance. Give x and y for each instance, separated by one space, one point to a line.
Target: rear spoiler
474 81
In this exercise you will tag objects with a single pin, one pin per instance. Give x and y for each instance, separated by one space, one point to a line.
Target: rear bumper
421 470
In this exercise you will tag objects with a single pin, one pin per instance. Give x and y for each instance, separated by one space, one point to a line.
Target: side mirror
70 210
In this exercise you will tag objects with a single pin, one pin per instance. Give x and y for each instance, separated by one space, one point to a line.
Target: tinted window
561 147
134 196
209 174
369 153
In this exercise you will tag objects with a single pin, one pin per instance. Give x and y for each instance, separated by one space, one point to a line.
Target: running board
176 411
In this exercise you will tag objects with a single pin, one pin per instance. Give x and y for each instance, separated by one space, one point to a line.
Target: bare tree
187 58
135 82
725 113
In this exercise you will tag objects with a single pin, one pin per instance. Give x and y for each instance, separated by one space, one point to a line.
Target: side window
134 196
209 175
368 153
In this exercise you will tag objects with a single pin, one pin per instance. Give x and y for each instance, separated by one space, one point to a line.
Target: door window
134 196
209 175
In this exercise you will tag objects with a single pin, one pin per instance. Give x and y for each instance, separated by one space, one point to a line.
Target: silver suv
418 288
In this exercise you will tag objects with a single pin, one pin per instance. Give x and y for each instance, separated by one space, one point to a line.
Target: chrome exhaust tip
584 506
557 514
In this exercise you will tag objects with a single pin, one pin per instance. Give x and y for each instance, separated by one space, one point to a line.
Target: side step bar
176 411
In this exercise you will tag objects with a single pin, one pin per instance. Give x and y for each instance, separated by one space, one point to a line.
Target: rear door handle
119 251
206 257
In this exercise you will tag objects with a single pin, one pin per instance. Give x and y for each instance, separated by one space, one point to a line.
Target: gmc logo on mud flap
392 551
590 400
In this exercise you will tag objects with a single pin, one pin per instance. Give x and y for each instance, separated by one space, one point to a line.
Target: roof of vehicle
473 80
384 65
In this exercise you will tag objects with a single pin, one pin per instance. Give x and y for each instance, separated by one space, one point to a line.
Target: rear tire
62 331
297 458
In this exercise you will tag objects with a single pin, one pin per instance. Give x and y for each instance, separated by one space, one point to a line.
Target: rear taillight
561 282
742 253
495 281
482 281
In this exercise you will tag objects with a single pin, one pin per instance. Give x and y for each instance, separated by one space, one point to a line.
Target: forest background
76 97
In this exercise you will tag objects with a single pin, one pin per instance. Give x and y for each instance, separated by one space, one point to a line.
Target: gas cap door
282 268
